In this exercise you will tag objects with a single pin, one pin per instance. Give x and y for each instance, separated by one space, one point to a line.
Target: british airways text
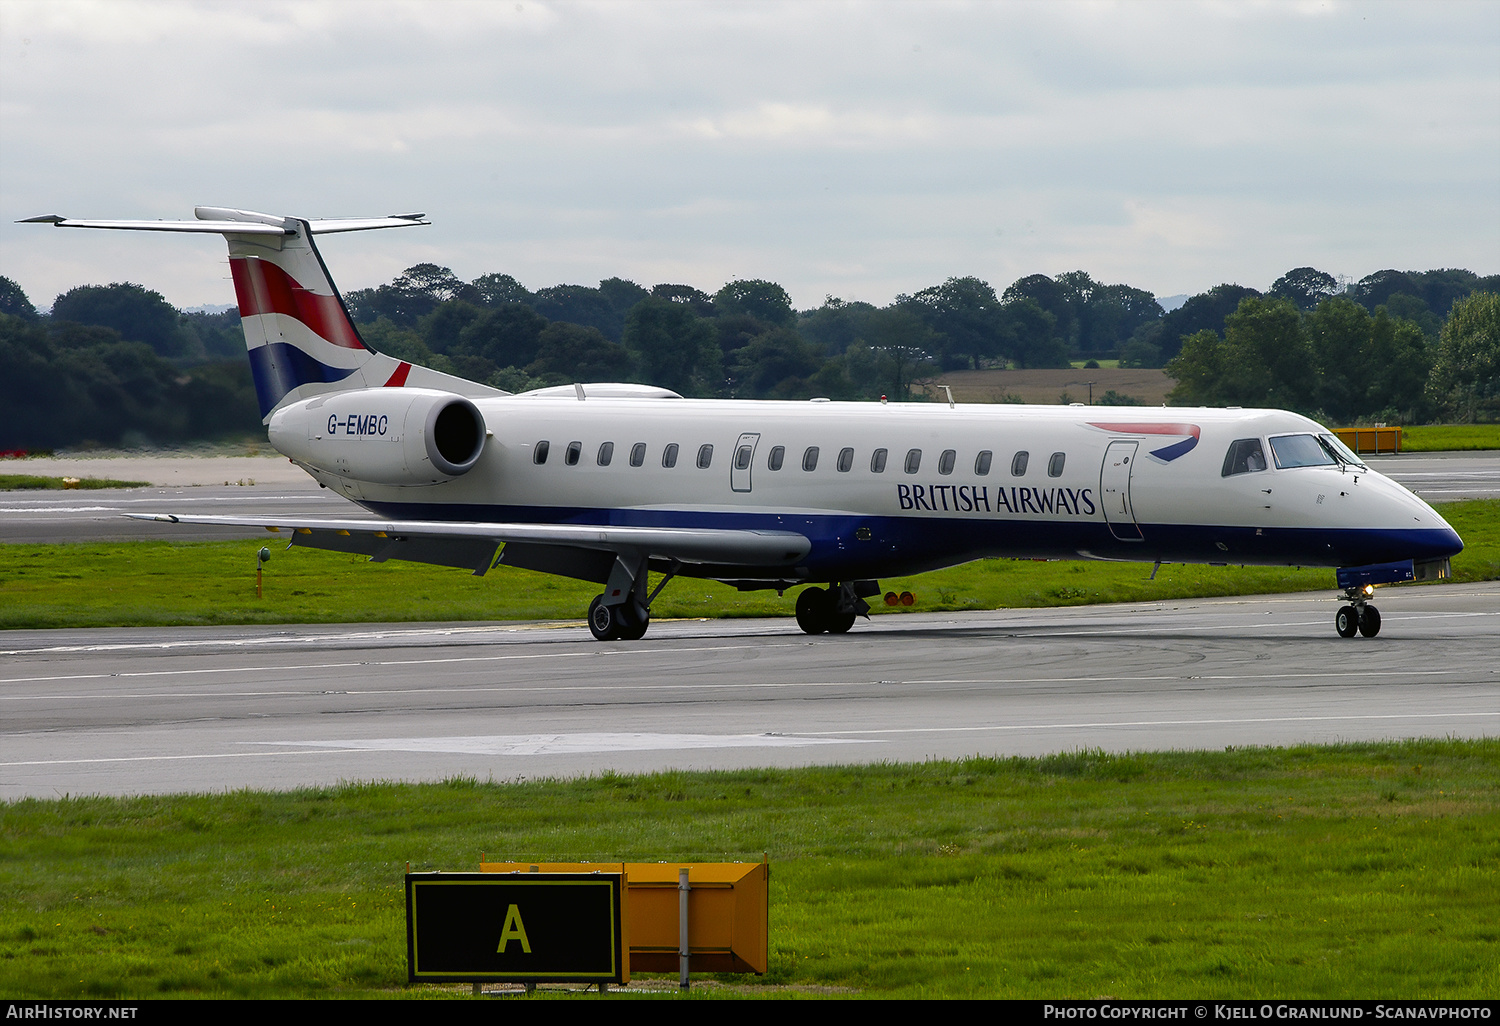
976 498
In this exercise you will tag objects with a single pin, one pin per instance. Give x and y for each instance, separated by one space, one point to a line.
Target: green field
132 584
33 482
1344 871
1450 437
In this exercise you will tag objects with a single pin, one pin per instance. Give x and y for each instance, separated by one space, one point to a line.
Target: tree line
116 363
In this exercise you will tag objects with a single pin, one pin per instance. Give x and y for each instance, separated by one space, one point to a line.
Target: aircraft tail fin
298 332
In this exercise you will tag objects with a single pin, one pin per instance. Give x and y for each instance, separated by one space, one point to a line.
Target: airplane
605 482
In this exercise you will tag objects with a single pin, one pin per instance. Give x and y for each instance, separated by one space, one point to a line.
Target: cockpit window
1341 451
1245 456
1301 451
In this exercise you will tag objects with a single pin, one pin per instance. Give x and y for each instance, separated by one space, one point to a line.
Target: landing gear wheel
1369 621
632 624
1347 622
814 611
839 623
604 621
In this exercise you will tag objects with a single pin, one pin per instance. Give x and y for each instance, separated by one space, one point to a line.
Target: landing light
1369 589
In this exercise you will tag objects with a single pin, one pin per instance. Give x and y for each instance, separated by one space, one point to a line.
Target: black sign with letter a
563 927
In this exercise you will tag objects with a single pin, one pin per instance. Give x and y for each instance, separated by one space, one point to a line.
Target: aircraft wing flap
374 537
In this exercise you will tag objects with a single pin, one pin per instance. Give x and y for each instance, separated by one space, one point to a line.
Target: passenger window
877 461
946 461
669 456
1245 456
606 453
1018 465
846 460
982 463
575 449
913 460
1055 464
778 456
637 454
705 456
810 458
742 458
539 454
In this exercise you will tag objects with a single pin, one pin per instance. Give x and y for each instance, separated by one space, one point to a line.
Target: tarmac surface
119 711
272 486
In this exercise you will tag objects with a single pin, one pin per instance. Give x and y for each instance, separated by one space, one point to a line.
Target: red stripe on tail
264 288
398 376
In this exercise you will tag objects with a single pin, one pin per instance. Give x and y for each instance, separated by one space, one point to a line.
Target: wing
572 550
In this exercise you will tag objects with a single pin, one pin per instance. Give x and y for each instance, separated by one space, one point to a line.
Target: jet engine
399 436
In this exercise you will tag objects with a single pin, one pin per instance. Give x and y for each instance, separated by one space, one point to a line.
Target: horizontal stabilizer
222 226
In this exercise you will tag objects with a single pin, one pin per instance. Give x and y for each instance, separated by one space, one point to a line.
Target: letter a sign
523 927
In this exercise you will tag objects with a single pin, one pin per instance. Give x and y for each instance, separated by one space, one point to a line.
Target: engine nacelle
400 436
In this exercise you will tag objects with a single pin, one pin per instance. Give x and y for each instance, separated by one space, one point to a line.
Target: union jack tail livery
300 337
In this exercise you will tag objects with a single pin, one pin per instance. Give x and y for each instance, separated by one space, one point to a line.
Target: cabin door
1114 490
743 461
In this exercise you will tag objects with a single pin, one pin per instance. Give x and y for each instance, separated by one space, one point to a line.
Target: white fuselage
1098 482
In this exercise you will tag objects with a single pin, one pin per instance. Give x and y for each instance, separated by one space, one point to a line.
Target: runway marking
514 745
567 744
699 686
1155 723
561 744
585 653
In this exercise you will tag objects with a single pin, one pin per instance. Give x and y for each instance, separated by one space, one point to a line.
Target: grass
133 584
1450 437
1341 871
29 482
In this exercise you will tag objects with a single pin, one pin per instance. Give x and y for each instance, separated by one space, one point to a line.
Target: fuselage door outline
742 462
1114 490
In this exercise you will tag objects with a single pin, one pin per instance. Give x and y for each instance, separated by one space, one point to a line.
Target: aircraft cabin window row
1244 455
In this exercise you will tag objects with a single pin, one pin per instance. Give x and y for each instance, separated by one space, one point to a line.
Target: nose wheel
1358 617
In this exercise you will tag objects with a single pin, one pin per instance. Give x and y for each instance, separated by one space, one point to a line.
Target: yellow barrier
1373 440
728 911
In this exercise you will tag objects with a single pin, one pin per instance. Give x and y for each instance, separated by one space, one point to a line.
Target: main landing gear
623 622
1358 617
623 612
832 610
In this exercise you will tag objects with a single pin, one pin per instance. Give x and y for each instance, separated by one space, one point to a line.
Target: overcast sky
860 150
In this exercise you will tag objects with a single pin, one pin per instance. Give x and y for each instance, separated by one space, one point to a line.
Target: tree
137 313
673 347
701 303
1306 287
965 313
836 324
1465 380
507 336
444 326
764 300
1203 312
414 294
1031 338
1048 295
571 352
579 304
500 290
1264 359
903 344
13 301
774 363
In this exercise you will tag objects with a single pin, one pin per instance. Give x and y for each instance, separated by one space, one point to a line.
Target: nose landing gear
1358 617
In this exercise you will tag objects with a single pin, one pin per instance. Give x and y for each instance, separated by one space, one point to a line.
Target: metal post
682 927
